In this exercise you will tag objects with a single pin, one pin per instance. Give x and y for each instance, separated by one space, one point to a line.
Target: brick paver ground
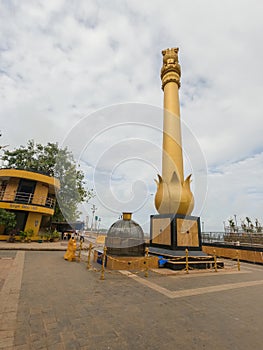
62 305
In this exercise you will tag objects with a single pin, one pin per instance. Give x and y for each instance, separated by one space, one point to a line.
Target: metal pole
99 223
89 254
93 209
146 274
235 219
186 261
102 276
87 222
238 261
215 260
80 249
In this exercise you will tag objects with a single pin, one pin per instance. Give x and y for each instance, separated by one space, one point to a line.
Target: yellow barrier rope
145 261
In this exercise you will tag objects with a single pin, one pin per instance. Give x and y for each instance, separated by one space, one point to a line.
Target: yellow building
30 195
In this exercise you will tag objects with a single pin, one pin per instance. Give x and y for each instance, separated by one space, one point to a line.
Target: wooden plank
161 229
187 233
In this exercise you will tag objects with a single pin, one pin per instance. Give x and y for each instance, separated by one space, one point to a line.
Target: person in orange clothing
70 254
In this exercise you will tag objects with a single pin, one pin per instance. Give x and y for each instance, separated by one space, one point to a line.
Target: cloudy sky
87 75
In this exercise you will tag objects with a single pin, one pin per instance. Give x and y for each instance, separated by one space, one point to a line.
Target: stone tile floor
49 303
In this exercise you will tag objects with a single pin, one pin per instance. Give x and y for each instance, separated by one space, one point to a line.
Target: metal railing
212 237
27 198
240 238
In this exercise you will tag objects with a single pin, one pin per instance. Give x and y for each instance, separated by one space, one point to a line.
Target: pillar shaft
172 143
173 191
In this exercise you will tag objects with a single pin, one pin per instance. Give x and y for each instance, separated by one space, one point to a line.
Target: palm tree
231 225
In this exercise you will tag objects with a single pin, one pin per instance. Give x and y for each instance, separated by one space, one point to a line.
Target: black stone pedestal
175 232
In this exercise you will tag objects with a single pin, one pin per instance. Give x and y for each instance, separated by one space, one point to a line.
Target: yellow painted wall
11 189
246 255
33 222
40 194
26 207
23 174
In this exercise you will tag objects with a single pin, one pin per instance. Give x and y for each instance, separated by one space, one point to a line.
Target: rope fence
186 260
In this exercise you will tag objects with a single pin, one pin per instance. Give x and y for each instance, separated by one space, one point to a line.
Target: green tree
58 162
7 219
258 226
2 147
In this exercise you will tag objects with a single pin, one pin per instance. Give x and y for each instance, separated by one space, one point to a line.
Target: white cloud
62 60
236 189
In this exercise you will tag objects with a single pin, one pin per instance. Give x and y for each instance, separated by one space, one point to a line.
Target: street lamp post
87 222
93 209
236 222
99 220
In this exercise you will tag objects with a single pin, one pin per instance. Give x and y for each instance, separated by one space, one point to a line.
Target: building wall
44 186
40 194
33 222
11 189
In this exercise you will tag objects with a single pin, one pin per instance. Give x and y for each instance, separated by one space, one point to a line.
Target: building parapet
27 198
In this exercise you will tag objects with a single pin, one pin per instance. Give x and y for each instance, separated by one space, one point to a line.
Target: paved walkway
49 303
51 246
